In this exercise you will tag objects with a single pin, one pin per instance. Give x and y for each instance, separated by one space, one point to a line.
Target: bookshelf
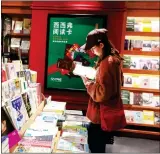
17 38
142 53
156 34
138 26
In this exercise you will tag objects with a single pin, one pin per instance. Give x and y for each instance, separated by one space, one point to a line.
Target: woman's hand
86 81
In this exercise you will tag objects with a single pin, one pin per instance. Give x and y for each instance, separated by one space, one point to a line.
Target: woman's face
3 126
97 50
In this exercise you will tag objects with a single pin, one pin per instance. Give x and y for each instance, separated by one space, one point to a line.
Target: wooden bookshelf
143 53
153 34
146 125
136 71
140 108
140 132
19 35
141 90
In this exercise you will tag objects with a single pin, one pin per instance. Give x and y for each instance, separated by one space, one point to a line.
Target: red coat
105 92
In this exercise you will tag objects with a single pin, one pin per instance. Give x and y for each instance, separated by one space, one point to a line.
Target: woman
105 108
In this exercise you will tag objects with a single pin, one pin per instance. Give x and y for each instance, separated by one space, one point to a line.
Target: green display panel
63 31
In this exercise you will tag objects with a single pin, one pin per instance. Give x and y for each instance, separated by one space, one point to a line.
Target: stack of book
38 138
74 133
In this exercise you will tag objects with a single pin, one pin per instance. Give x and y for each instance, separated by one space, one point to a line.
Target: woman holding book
105 108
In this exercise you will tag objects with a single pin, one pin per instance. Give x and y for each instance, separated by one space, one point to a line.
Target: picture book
146 46
155 46
138 117
148 117
5 91
19 112
148 99
128 81
27 103
11 72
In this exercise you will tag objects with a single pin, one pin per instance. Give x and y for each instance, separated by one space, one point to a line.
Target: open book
84 71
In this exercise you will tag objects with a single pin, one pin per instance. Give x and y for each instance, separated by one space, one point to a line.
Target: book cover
15 42
17 86
5 91
128 81
155 46
144 81
20 115
138 116
32 149
18 26
74 137
148 99
12 88
26 25
47 118
11 72
148 117
77 118
35 143
155 26
27 103
85 71
134 63
147 26
127 62
155 64
125 95
138 26
146 46
130 24
157 118
129 116
137 99
55 106
75 112
156 101
154 82
137 44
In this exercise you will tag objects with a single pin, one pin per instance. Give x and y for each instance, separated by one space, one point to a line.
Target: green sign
65 31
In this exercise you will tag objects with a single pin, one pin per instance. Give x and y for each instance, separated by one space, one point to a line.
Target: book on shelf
6 25
141 81
18 25
19 113
15 42
155 46
148 117
130 24
26 25
146 45
157 118
125 95
147 26
25 46
11 71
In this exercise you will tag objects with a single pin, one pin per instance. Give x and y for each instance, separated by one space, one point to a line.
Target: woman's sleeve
101 91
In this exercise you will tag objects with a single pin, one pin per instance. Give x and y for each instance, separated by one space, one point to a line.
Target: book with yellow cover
148 117
147 26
